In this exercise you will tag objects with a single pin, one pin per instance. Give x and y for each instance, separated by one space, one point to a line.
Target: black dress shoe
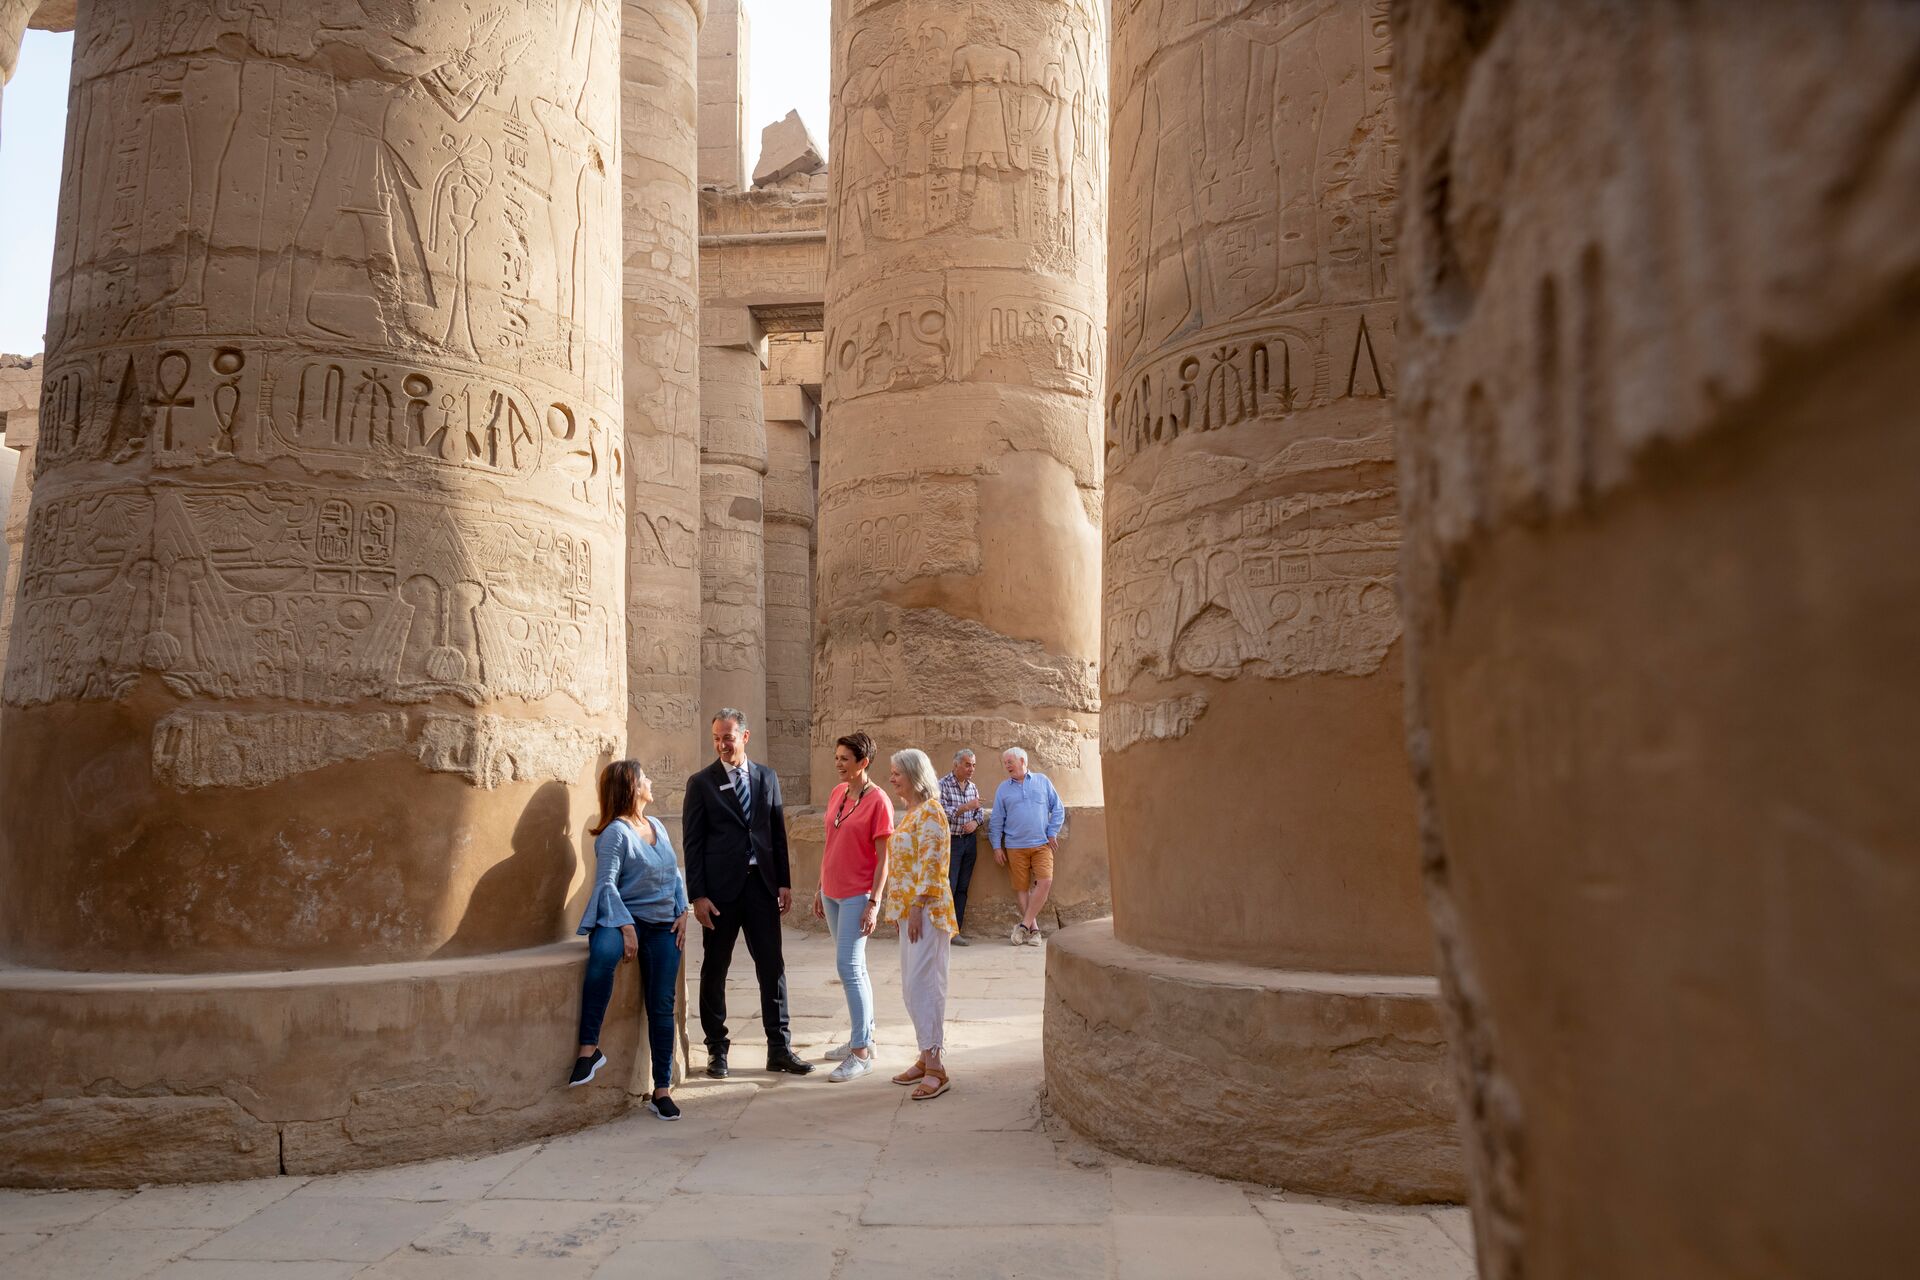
717 1065
785 1061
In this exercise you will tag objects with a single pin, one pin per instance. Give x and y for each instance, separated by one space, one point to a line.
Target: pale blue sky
788 67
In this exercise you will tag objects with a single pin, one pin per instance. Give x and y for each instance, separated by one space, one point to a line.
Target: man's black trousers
756 914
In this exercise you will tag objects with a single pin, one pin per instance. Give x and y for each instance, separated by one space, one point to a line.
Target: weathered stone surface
115 1080
733 470
792 419
724 42
1251 520
787 149
659 164
19 414
339 438
1663 489
960 469
1323 1083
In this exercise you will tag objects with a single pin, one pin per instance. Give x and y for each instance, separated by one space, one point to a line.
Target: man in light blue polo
1025 834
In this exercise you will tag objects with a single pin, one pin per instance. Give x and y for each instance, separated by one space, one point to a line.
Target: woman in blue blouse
638 908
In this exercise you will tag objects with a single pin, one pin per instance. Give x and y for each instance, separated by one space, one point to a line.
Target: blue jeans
659 978
850 955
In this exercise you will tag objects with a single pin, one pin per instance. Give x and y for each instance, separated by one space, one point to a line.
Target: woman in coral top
859 824
919 898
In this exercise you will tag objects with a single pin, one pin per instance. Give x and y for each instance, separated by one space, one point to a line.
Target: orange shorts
1028 865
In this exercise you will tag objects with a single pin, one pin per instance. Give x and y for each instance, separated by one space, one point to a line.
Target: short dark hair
860 742
734 714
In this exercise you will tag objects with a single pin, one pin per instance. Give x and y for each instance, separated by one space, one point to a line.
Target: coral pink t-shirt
847 869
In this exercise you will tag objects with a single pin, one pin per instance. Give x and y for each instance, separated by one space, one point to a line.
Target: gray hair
1021 752
918 771
734 714
962 754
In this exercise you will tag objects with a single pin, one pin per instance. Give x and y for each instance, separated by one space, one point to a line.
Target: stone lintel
733 327
786 403
1328 1084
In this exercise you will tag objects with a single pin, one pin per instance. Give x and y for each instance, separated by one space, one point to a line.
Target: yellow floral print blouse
917 870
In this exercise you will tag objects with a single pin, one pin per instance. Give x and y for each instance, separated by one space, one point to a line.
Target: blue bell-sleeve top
636 878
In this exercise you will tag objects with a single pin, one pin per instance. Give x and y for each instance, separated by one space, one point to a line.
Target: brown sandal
912 1074
928 1089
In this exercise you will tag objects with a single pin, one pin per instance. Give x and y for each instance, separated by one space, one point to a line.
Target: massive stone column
666 729
791 421
1662 478
1267 911
13 26
319 642
960 469
733 470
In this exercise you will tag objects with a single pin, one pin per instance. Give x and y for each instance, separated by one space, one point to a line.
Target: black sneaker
585 1069
664 1107
717 1065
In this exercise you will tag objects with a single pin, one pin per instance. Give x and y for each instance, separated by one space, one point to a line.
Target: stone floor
764 1176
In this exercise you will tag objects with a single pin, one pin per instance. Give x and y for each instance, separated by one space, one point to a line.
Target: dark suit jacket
719 841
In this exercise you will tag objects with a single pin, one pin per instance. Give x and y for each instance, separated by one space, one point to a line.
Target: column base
114 1080
1328 1084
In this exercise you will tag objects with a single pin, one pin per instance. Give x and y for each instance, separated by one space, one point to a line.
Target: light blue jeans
850 954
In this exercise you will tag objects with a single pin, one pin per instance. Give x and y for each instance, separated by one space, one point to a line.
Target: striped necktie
740 794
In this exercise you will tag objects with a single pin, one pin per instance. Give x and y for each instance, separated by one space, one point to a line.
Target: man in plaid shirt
961 799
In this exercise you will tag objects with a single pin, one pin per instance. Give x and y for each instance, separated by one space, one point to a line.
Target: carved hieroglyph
330 421
960 464
789 588
733 471
1662 583
1251 517
666 730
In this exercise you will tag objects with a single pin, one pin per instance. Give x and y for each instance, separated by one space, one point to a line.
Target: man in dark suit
734 828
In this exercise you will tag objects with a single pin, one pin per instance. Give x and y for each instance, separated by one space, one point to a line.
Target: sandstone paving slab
1224 1248
410 1265
214 1205
852 1111
783 1166
1320 1241
103 1255
984 1251
809 1218
533 1229
1146 1189
51 1210
614 1168
973 1106
1012 1179
204 1269
1458 1224
720 1258
461 1179
343 1229
989 1009
12 1242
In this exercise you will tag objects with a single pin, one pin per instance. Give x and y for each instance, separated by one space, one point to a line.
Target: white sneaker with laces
851 1068
1019 935
1033 936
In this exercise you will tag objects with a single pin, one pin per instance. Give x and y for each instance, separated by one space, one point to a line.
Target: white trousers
923 981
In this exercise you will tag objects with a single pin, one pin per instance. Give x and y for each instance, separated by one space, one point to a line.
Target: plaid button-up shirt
952 796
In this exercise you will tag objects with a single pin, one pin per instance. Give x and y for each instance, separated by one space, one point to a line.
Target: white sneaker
1033 936
851 1068
1019 935
840 1052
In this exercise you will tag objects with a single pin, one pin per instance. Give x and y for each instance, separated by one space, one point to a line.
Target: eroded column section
960 469
320 637
660 212
733 470
1662 484
1260 816
1251 519
791 421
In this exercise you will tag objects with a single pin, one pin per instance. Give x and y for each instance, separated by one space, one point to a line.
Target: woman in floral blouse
919 898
